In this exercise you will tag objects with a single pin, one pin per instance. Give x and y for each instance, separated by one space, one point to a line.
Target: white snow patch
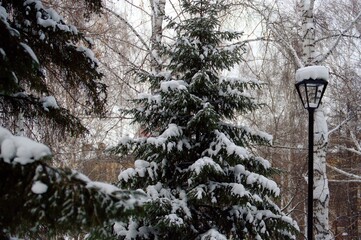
89 54
141 164
3 13
173 219
173 130
49 101
151 98
238 189
80 176
2 53
4 133
213 234
103 187
21 149
313 72
203 162
30 52
126 174
173 85
39 187
224 142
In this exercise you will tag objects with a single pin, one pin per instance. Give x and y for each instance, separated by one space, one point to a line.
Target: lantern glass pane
303 94
314 92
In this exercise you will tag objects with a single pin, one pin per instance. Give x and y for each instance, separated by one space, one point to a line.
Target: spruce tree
40 200
36 43
197 167
37 200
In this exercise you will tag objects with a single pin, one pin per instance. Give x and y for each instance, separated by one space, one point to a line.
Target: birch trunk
320 188
321 192
158 13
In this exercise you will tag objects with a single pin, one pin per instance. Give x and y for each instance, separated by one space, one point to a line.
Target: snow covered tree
199 170
38 51
37 43
38 200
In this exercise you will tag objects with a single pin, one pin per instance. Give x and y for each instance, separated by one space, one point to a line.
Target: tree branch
338 39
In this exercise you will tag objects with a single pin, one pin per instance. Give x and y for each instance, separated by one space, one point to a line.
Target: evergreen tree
198 169
36 43
40 200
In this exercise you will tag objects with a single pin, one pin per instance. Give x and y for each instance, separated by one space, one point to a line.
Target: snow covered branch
347 174
36 195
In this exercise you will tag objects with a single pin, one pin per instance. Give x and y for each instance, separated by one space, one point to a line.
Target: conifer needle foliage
195 165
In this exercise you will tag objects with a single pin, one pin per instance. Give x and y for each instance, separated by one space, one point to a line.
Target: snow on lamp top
312 72
311 84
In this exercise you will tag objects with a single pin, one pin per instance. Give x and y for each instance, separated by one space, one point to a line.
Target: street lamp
311 84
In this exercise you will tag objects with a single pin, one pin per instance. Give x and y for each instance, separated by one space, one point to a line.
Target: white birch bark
321 194
158 13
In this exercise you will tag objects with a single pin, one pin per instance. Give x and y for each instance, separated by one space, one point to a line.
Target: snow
49 101
237 80
312 72
224 142
213 234
198 165
255 179
39 187
238 189
21 150
3 14
173 85
141 164
4 133
151 98
172 131
89 54
2 53
126 174
80 176
173 219
103 187
30 52
49 18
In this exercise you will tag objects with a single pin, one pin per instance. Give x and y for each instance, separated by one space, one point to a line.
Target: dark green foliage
71 204
39 51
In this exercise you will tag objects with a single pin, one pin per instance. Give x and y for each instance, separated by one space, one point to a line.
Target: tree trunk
321 193
158 13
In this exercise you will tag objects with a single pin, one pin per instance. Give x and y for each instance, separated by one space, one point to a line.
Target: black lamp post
311 92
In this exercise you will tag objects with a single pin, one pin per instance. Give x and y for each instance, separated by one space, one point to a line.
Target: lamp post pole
311 83
311 112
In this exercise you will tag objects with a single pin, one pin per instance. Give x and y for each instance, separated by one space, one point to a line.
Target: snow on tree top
313 72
